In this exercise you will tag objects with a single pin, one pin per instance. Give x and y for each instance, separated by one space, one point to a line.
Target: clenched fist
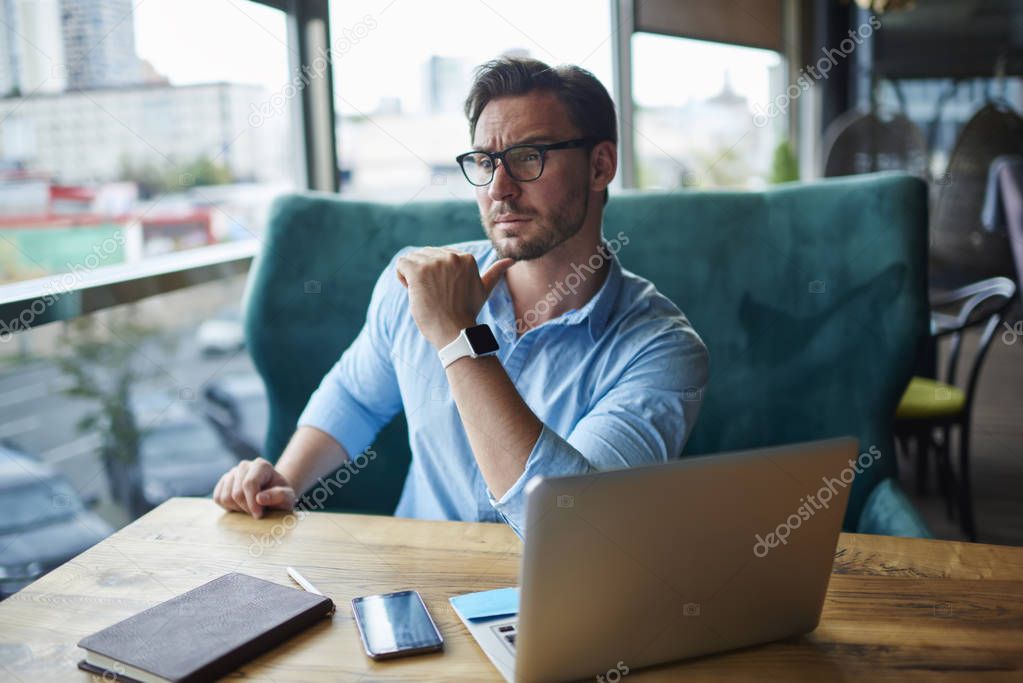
252 486
446 290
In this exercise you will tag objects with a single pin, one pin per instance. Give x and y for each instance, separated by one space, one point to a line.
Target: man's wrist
467 361
473 342
451 334
288 477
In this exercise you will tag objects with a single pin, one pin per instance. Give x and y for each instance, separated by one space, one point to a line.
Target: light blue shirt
617 383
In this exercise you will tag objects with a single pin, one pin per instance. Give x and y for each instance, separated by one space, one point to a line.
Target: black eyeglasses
523 163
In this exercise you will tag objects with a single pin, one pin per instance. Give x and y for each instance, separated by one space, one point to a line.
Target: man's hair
589 105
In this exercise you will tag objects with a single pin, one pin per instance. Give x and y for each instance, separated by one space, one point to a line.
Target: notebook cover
210 630
104 673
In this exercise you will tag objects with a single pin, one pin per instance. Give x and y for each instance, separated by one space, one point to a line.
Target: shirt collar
596 311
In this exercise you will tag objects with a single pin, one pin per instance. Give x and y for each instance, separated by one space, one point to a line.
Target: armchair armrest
977 301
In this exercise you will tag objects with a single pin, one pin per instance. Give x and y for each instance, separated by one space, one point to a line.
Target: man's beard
561 224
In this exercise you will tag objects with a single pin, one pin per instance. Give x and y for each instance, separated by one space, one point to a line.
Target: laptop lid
634 567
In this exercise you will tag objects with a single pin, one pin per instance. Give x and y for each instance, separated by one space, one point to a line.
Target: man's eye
485 163
526 155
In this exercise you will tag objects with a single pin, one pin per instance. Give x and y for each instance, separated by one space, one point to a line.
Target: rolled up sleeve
359 395
645 418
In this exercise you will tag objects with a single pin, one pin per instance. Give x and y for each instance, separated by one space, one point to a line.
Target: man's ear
603 165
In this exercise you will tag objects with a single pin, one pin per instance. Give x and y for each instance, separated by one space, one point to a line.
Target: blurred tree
784 166
149 179
153 181
100 358
204 171
727 167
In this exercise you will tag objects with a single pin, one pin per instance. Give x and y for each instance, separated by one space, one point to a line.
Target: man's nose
503 186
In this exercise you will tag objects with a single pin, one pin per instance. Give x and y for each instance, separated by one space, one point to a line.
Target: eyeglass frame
574 143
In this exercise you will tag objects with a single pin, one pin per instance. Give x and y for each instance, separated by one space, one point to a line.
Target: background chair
962 250
811 298
861 142
1010 178
931 406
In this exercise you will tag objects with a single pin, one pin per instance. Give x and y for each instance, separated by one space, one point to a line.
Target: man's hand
446 290
253 485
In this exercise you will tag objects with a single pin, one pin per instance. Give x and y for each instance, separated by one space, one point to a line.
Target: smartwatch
473 342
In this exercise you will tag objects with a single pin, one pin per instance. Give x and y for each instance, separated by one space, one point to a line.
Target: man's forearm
502 429
309 455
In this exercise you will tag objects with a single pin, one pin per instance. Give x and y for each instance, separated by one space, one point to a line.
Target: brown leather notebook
204 633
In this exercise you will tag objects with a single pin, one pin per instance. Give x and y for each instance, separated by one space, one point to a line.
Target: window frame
308 35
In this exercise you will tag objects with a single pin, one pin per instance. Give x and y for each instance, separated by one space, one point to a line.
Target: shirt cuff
552 456
333 410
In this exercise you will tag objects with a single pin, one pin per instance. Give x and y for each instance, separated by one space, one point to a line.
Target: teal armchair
812 299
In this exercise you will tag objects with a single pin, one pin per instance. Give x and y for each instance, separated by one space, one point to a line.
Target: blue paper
494 603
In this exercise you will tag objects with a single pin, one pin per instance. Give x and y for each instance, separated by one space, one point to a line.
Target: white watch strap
459 348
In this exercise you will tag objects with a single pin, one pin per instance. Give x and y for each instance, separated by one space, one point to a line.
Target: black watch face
481 339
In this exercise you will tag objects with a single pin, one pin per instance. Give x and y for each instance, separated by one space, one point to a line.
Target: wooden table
897 609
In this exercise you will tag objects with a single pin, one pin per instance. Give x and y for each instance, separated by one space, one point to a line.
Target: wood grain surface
897 609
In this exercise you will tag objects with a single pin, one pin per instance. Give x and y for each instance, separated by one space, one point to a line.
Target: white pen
302 581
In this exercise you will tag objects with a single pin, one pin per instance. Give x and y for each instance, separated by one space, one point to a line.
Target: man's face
526 220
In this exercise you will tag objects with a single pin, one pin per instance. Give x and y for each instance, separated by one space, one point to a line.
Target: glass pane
706 114
104 417
941 107
401 77
134 129
36 502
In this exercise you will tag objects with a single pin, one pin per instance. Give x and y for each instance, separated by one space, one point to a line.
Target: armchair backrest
812 299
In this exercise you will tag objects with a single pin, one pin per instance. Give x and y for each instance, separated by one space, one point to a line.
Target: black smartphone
395 625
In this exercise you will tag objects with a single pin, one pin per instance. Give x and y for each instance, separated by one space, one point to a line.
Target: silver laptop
634 567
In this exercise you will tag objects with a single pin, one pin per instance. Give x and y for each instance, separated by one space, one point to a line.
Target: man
595 369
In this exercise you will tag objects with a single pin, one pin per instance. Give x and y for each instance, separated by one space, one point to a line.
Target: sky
380 46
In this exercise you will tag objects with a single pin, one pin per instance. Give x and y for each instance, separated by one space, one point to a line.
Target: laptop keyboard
506 633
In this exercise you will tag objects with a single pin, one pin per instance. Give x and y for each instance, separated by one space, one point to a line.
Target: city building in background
31 47
82 136
95 144
99 43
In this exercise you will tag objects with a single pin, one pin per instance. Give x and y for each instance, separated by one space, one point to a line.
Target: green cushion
812 299
926 398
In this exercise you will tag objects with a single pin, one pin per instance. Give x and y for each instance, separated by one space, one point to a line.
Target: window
402 71
129 132
118 404
133 129
940 108
703 114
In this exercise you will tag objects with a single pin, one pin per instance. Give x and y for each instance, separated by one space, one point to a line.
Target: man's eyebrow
528 140
535 139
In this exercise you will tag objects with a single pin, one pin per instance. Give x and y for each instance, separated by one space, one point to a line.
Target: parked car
44 521
236 406
180 455
221 334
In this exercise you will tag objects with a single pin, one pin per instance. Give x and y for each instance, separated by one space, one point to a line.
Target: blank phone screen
395 622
